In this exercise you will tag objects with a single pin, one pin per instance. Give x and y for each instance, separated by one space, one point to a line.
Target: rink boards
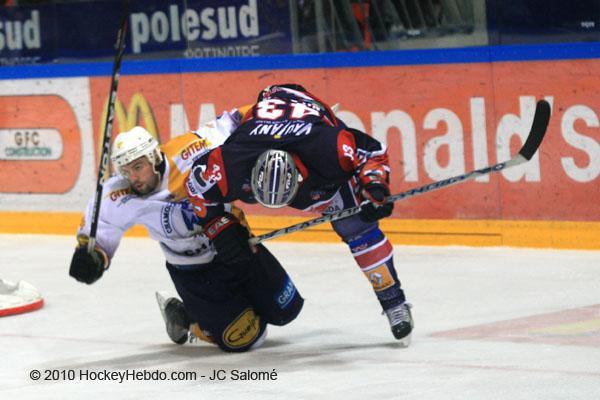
441 113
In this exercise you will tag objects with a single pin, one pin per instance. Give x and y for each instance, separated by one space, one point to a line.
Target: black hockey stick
536 134
114 83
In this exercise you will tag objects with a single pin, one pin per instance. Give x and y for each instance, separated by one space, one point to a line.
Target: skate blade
405 341
161 299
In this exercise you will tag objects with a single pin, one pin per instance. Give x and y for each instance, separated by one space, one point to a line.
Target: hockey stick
536 134
114 83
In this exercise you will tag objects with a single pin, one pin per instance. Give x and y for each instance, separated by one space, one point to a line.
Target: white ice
340 346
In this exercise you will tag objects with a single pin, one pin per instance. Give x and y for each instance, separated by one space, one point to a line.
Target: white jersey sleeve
217 131
113 220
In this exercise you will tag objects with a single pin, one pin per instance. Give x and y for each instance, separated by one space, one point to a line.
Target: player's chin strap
536 135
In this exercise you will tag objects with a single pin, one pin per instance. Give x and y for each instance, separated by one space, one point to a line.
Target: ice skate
175 317
401 322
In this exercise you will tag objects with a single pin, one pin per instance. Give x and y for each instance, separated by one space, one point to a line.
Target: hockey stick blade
532 143
538 129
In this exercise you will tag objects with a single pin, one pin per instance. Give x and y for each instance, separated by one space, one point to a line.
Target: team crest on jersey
190 219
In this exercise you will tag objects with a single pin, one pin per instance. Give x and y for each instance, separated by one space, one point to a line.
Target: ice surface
491 323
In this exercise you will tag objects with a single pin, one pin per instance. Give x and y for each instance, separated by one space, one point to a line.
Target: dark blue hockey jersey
326 152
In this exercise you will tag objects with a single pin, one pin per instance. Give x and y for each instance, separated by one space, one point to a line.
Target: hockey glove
374 185
193 193
230 239
86 267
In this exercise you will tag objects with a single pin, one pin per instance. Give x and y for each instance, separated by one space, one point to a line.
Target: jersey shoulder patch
184 149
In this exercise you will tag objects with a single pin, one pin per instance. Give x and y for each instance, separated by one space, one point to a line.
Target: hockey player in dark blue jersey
291 150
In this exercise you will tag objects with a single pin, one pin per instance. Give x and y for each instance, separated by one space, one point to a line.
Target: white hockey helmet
275 179
131 145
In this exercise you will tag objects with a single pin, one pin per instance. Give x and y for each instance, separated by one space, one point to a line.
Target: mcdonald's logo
125 119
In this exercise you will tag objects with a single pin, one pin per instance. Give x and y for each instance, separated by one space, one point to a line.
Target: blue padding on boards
480 54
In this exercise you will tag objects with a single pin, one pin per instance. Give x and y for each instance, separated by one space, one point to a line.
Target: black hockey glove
86 267
375 187
230 239
372 212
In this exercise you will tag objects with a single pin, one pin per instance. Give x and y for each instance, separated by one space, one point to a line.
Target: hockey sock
374 255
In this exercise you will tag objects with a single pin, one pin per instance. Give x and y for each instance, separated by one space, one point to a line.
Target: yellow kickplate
537 234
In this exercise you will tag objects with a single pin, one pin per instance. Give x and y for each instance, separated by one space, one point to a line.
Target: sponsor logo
18 35
215 228
223 51
287 294
195 148
360 247
588 24
166 218
30 144
40 139
189 25
332 208
115 195
334 204
243 330
197 251
191 188
380 278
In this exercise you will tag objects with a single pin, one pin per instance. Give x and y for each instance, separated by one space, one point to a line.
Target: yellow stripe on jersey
178 152
244 109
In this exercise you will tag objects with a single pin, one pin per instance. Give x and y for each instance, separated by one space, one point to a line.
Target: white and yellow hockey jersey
166 213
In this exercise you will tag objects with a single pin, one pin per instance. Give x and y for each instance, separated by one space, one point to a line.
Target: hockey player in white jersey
224 301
